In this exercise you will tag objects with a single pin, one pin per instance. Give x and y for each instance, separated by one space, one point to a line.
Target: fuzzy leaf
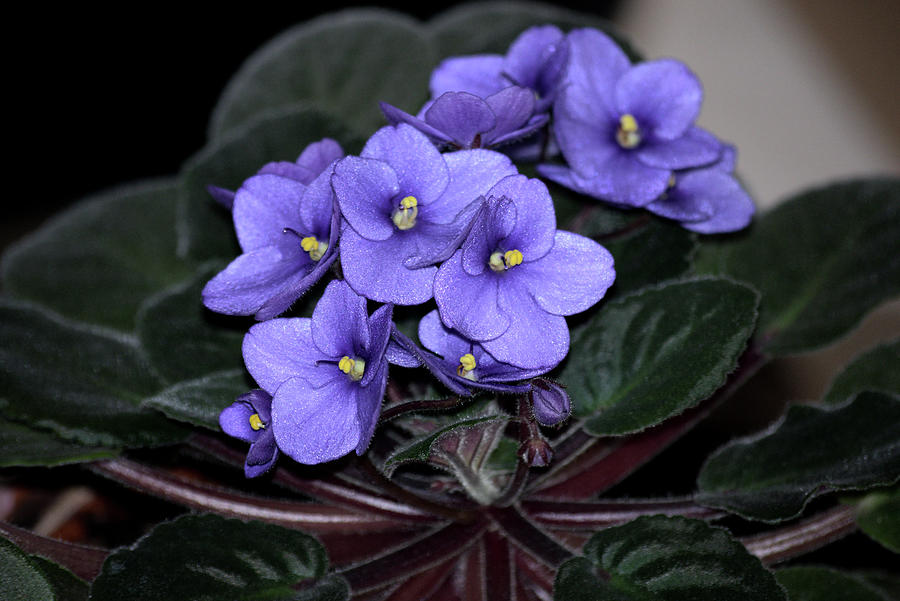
874 370
205 228
209 557
653 354
24 446
655 252
772 475
662 558
84 383
20 578
344 62
815 583
100 259
821 260
200 401
878 515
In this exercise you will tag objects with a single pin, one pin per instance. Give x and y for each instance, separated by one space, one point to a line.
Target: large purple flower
249 419
516 275
462 120
327 375
624 129
407 207
288 232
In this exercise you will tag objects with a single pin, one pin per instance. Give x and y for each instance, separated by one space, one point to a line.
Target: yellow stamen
405 217
352 367
256 423
501 261
628 135
466 366
512 258
496 262
671 183
315 248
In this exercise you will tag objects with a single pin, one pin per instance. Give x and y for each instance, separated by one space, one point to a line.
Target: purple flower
327 375
288 232
311 162
249 419
624 129
464 120
535 60
549 401
516 275
407 207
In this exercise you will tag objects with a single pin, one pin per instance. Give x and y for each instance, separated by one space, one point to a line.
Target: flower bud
536 452
549 401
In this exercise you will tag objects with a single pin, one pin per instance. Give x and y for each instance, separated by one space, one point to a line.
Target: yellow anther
512 258
496 261
256 423
405 217
466 366
315 248
352 367
671 182
628 135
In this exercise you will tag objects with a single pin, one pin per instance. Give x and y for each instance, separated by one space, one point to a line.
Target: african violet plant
447 329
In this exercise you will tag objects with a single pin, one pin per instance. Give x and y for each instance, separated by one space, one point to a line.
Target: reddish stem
805 536
602 514
527 536
83 561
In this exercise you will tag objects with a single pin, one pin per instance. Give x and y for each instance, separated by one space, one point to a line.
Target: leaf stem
805 536
82 560
590 516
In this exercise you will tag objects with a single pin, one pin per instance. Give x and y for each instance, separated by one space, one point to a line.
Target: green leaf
84 383
653 354
24 446
66 585
821 260
887 584
815 583
99 260
20 578
660 558
200 401
878 515
772 475
210 557
490 27
205 228
184 340
345 62
874 370
655 252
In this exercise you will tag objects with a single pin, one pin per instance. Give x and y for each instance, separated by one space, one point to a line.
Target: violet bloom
407 207
625 129
327 375
311 162
249 419
516 276
536 60
462 120
288 232
549 401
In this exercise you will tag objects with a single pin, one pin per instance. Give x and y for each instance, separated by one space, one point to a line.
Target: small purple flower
407 207
327 375
516 276
311 162
625 129
288 232
549 401
462 120
249 419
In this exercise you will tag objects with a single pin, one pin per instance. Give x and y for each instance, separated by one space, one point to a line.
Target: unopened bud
536 452
549 401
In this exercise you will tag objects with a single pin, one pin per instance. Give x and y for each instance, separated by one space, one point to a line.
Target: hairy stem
591 516
805 536
82 560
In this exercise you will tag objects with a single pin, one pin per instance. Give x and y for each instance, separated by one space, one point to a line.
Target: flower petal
695 148
262 455
263 206
418 165
663 95
280 349
595 65
340 322
472 174
535 58
570 278
235 421
469 303
395 117
461 116
536 224
319 155
495 220
379 335
584 129
317 205
479 75
314 425
513 107
365 189
732 207
625 180
368 404
223 196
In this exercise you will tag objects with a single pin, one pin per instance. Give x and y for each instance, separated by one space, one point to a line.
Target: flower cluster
432 212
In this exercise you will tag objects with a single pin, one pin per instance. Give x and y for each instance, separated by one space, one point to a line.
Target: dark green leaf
653 252
815 583
184 340
771 476
878 515
205 228
200 401
489 27
821 261
99 260
20 578
209 557
662 558
874 370
345 62
84 383
24 446
887 584
66 585
653 354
